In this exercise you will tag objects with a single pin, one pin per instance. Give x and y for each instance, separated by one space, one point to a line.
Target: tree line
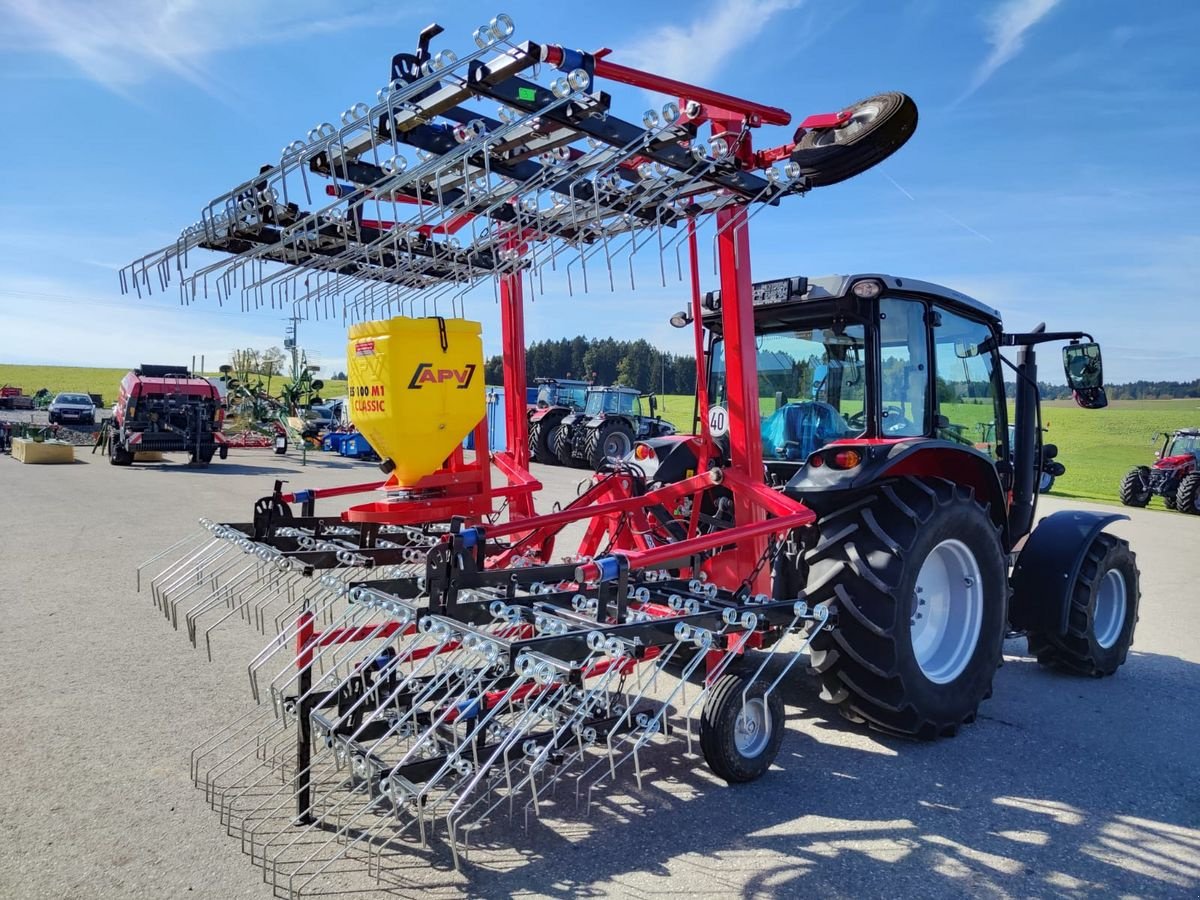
1132 390
635 364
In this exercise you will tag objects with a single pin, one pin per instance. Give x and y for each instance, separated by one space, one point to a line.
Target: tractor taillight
816 460
845 459
641 451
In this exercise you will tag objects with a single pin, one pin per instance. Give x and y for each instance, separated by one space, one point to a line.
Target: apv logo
427 374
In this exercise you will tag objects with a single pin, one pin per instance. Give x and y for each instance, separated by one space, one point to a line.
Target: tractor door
969 393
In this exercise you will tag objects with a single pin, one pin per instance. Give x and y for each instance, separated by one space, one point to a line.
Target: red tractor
868 386
167 408
1175 476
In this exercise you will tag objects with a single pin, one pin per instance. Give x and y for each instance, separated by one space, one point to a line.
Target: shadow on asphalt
885 817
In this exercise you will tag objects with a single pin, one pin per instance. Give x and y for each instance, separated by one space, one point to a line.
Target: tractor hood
1174 462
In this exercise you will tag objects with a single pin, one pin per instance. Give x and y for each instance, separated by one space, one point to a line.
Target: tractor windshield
810 385
1183 443
612 402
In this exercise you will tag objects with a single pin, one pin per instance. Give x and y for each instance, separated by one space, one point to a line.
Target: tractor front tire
1187 498
1171 498
741 728
541 438
916 572
1133 491
610 440
878 126
562 446
1103 613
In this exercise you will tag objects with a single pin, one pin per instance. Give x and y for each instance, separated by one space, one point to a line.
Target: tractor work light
868 289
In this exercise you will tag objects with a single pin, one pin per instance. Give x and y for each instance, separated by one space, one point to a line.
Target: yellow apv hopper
416 390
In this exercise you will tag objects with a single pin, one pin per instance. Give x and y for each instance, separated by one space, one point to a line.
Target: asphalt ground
1064 787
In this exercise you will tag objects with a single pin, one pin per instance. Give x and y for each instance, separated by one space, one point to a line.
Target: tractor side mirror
653 404
1085 374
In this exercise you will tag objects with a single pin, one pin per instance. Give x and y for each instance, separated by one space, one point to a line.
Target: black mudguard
1047 567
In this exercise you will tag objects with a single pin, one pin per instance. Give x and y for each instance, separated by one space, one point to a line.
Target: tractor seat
797 429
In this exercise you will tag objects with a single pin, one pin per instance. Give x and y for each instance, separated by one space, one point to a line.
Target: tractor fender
672 458
1048 565
917 458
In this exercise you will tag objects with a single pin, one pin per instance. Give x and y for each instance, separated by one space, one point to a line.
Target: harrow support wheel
741 728
1187 498
917 572
1133 491
878 126
1102 616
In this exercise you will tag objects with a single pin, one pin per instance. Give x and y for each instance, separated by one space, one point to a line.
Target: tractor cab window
811 387
967 397
1181 444
904 368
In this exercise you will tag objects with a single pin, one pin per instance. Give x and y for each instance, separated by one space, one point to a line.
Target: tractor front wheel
741 728
563 449
917 574
1133 491
1103 613
612 440
541 439
1187 498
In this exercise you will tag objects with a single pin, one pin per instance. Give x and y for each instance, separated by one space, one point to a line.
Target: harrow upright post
741 373
516 428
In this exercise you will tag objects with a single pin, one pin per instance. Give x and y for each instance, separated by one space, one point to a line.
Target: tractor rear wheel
741 728
1187 498
1103 613
1133 491
610 440
877 128
917 573
563 449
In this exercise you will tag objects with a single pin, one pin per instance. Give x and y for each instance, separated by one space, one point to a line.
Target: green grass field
104 382
1097 446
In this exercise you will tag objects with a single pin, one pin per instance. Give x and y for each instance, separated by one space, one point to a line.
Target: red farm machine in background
440 654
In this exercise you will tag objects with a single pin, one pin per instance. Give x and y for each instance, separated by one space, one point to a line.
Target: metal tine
441 637
224 593
178 572
584 705
204 577
192 538
288 570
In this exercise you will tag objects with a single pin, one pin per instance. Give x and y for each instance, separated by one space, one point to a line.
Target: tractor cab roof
782 300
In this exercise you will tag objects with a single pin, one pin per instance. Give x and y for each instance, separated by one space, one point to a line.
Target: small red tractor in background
1175 476
167 408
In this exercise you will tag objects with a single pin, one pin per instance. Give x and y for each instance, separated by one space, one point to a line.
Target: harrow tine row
398 728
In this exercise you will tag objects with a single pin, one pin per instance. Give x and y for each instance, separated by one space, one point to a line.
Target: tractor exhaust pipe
1027 455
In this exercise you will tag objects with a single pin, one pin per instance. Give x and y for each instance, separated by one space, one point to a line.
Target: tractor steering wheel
893 416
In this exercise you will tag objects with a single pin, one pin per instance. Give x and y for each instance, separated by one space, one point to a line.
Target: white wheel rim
947 611
617 444
1108 618
752 728
860 119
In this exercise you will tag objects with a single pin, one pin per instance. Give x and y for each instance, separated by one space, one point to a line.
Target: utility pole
291 342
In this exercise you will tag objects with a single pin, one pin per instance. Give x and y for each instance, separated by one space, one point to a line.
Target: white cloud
122 43
697 50
1007 27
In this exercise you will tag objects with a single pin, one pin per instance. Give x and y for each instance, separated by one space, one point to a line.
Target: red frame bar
756 112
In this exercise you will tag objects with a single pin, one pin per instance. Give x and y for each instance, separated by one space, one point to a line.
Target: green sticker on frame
526 94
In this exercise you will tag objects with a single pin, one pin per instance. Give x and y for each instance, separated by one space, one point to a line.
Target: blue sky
1053 174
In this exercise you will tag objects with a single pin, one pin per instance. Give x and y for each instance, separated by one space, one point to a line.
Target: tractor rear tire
913 549
563 450
878 127
1132 492
740 741
1103 613
1187 498
612 439
1170 498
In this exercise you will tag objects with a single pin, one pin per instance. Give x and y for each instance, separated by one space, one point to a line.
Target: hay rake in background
433 666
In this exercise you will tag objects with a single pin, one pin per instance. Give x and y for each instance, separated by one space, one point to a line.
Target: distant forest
635 364
641 365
